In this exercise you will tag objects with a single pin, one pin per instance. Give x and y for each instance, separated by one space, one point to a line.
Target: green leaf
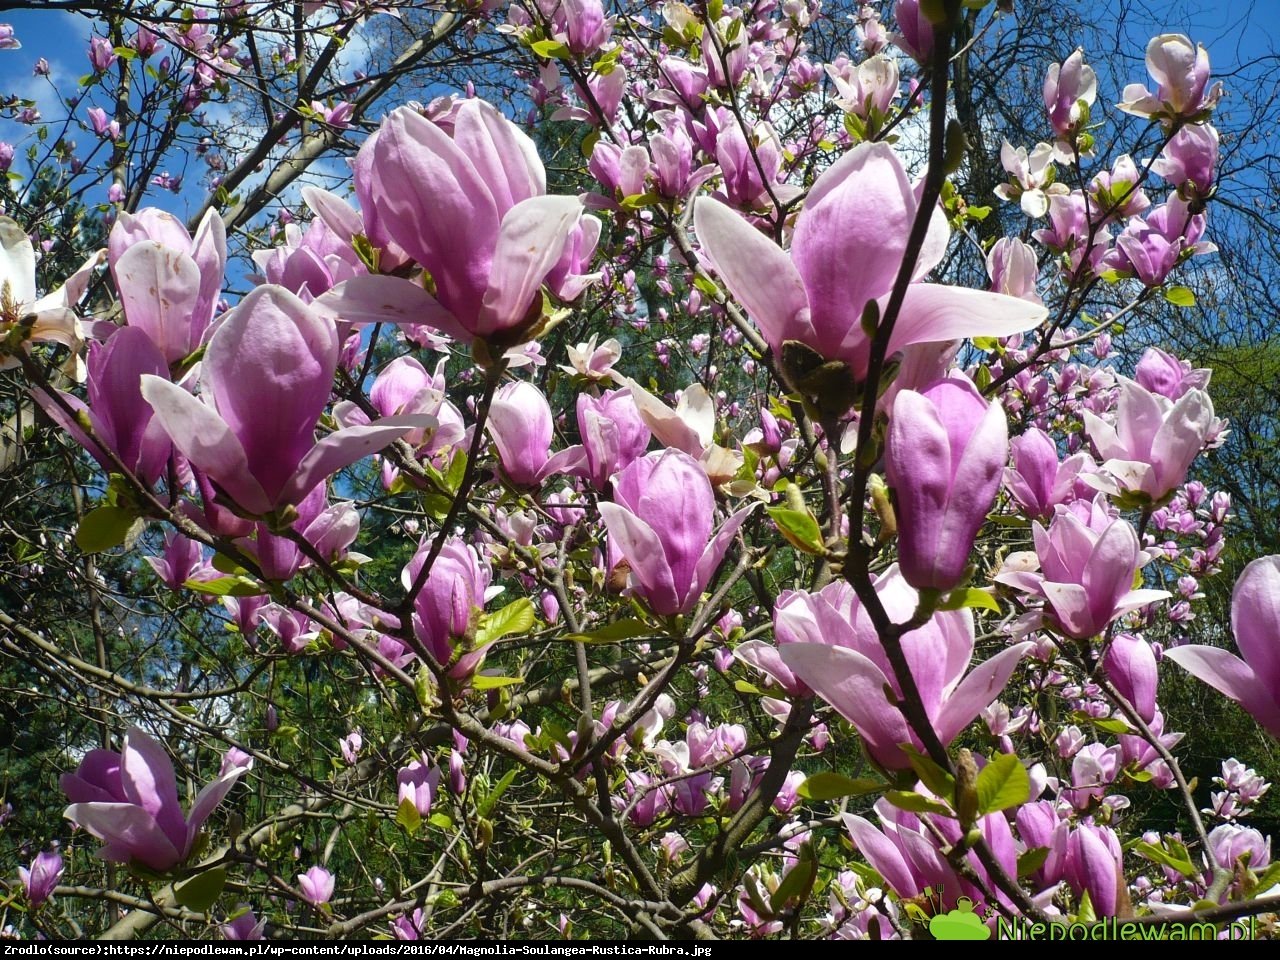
715 9
224 564
615 632
516 617
969 597
744 686
104 528
441 821
227 587
1180 296
799 527
485 682
1268 878
408 816
795 885
940 783
1031 861
1111 725
707 286
916 802
986 344
1159 855
1003 783
639 201
201 891
833 786
551 49
485 807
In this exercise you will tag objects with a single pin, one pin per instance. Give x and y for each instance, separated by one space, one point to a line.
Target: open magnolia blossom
1254 681
27 316
827 640
847 247
129 801
272 353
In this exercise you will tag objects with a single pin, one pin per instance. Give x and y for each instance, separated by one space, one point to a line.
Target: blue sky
1236 32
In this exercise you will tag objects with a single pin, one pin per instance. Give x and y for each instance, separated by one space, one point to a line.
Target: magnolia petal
375 298
643 550
1255 618
128 832
711 557
758 273
208 799
882 854
530 241
976 691
17 262
862 204
932 312
855 687
159 290
338 215
343 448
1230 676
204 438
146 772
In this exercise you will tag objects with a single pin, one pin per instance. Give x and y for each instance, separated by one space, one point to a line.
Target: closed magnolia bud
945 458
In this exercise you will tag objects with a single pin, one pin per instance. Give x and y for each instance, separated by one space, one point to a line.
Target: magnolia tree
811 595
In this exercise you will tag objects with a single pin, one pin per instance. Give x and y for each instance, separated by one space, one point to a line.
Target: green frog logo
960 924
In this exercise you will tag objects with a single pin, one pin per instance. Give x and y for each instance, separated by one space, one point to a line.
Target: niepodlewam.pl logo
1116 928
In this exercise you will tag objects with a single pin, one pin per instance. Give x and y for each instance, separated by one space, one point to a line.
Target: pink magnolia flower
846 250
591 361
1164 374
316 886
1086 573
448 607
906 852
103 125
1031 178
661 521
1254 681
1066 87
613 434
828 641
1131 664
1230 842
120 418
521 426
169 281
101 54
1013 269
271 353
418 783
1189 160
471 209
245 926
1181 72
41 877
309 263
1036 480
1151 444
915 33
7 39
1093 864
867 89
129 800
945 458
